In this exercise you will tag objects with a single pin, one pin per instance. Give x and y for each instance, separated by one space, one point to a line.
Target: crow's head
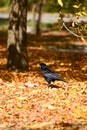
43 66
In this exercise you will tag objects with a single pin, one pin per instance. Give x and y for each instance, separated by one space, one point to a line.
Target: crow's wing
50 74
47 70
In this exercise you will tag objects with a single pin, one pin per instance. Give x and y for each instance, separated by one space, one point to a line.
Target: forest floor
27 103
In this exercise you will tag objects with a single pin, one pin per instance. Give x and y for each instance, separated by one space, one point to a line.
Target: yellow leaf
19 104
51 107
60 3
78 112
81 112
78 13
82 38
21 98
61 64
84 13
76 6
85 109
85 67
73 24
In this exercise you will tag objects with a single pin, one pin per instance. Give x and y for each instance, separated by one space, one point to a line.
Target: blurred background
44 15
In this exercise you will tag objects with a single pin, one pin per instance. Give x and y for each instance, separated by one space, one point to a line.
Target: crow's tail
62 80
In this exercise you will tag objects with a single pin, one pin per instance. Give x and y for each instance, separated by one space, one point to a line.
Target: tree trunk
17 58
40 6
34 18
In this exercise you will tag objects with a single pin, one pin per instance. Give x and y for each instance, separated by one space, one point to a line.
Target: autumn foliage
27 103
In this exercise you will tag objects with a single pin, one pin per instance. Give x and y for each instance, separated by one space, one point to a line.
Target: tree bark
17 58
40 6
34 13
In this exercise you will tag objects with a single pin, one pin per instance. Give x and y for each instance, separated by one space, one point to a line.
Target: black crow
49 75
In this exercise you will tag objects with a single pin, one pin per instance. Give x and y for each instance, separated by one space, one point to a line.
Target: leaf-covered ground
27 103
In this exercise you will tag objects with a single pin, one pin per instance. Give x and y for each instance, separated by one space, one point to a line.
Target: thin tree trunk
39 16
16 45
34 18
